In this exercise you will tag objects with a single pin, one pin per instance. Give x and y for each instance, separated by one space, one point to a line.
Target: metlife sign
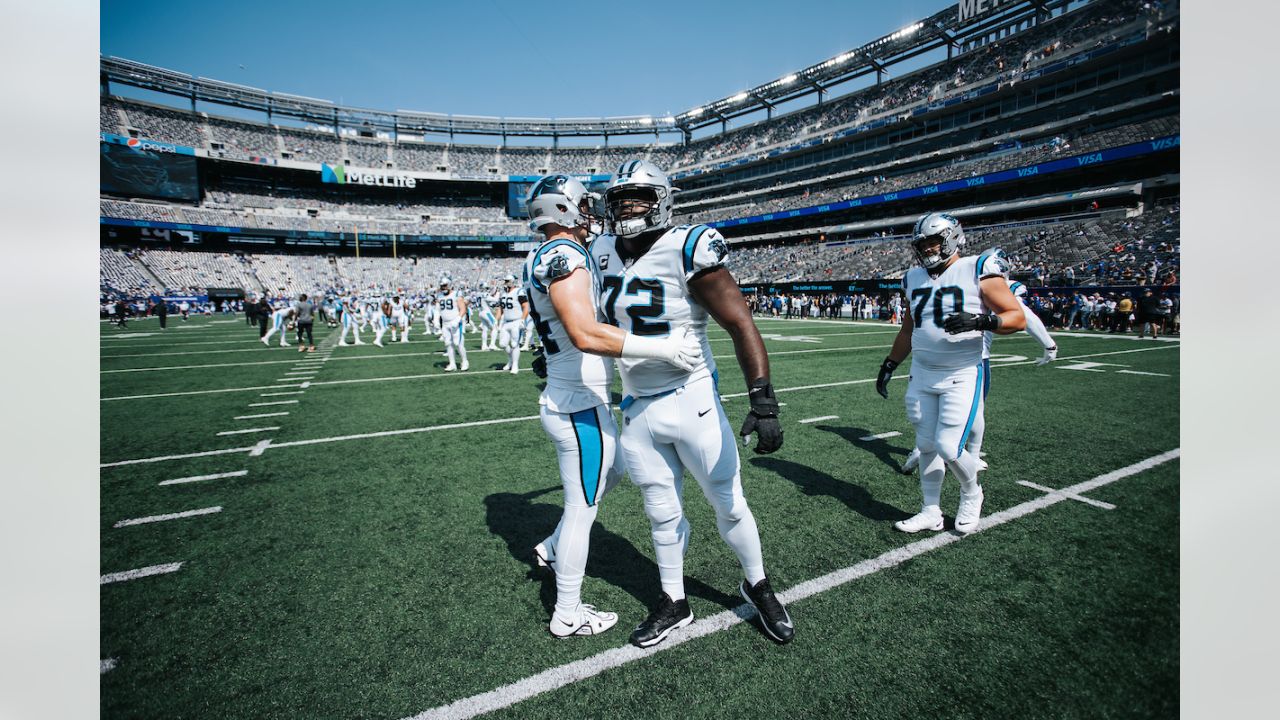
339 175
970 9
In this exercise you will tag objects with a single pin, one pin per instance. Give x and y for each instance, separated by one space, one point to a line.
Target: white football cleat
515 371
912 462
465 366
450 367
970 510
344 344
359 342
929 518
378 343
545 555
589 622
980 464
507 366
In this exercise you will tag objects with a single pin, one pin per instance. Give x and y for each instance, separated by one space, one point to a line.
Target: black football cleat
773 617
669 615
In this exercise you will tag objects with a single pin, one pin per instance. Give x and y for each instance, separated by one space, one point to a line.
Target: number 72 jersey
649 295
931 300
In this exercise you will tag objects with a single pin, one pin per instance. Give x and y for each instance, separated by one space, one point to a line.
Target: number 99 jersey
576 380
649 295
932 299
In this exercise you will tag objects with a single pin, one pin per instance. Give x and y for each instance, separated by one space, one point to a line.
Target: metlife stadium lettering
341 176
971 8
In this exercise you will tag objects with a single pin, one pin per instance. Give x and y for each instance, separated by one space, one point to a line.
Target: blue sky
499 57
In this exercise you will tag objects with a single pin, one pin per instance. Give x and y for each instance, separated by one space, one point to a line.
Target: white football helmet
509 281
937 226
638 181
562 200
445 284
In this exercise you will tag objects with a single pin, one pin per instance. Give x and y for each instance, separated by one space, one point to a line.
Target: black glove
763 418
882 380
540 363
964 322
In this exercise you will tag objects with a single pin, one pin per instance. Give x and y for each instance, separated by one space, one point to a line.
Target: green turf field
354 572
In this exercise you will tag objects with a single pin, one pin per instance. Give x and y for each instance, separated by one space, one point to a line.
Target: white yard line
260 415
107 665
202 478
530 417
819 419
563 675
291 392
189 392
1139 372
880 436
1069 496
170 516
139 573
391 356
249 430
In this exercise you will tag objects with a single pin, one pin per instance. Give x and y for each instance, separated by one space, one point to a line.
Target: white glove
681 348
1050 354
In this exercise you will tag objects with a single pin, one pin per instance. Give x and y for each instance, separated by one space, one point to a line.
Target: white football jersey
930 300
575 380
649 295
509 301
1019 291
449 307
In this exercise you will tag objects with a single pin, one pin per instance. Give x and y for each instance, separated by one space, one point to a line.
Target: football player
513 308
488 322
350 314
948 301
380 319
656 278
563 304
278 319
1037 330
453 308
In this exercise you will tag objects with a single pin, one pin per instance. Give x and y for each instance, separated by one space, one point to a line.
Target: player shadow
882 449
816 482
523 523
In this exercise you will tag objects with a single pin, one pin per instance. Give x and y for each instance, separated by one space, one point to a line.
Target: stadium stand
119 277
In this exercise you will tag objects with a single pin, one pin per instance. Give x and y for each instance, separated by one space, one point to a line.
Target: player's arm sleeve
555 261
1035 327
704 248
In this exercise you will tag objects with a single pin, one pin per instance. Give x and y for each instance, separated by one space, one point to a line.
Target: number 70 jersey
649 295
931 300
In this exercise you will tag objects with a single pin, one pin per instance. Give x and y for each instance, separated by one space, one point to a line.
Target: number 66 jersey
649 295
932 299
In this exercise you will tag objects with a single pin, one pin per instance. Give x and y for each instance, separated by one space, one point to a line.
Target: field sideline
346 534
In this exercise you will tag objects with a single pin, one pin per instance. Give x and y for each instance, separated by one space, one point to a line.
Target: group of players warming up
631 286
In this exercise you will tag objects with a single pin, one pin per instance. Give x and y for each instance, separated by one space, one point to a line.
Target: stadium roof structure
950 28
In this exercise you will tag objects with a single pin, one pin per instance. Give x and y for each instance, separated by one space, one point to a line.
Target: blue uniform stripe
586 428
973 410
538 256
977 270
986 377
691 244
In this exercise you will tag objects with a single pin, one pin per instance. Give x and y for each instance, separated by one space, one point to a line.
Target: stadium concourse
347 532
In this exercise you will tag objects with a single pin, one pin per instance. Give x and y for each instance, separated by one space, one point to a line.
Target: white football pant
943 405
687 429
590 466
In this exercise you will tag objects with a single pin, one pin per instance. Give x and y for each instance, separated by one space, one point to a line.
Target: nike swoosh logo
704 412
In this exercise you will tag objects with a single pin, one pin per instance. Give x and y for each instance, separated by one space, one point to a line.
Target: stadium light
646 121
739 97
789 79
696 112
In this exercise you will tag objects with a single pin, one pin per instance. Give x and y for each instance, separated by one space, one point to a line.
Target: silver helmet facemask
639 198
942 229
